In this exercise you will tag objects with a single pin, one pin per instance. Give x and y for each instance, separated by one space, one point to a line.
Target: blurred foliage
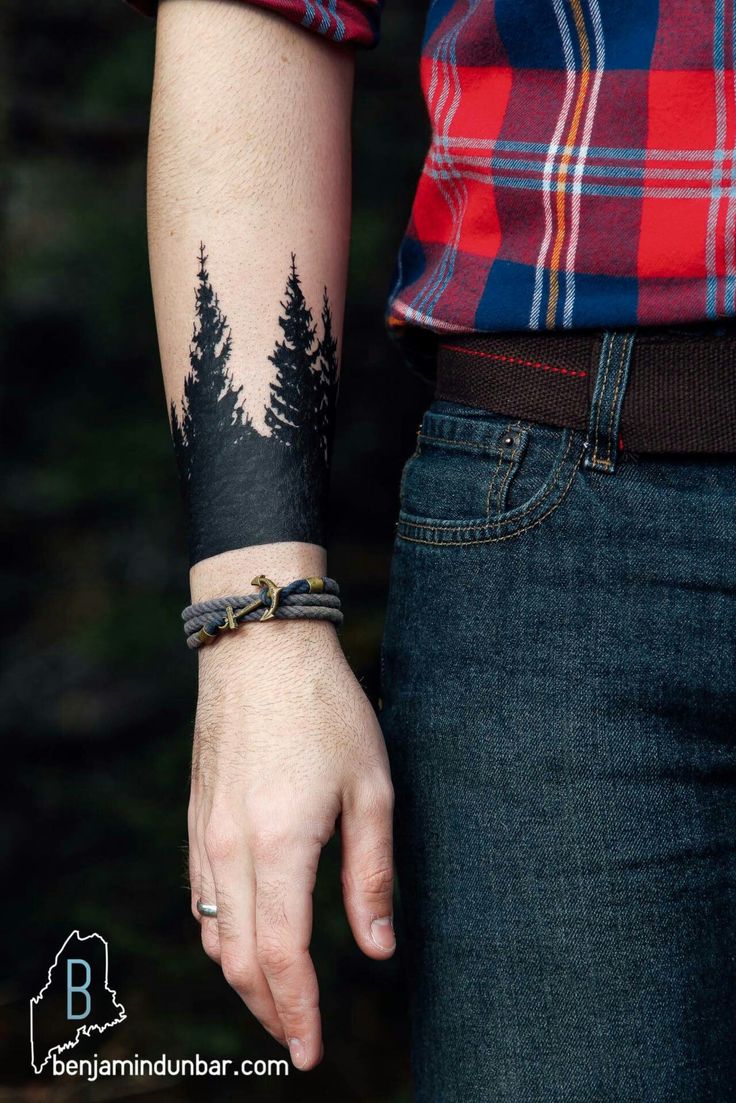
97 691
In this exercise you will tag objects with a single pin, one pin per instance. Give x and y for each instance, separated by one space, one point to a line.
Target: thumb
368 872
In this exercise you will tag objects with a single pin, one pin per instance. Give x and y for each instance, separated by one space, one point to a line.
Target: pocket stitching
504 536
439 525
492 484
509 467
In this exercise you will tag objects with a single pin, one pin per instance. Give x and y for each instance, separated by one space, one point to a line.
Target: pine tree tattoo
293 392
242 486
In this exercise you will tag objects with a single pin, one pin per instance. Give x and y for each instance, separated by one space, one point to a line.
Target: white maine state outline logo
39 1061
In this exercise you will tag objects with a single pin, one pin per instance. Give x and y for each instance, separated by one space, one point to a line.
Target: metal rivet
508 441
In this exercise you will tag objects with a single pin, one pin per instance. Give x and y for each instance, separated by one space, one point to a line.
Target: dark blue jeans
559 705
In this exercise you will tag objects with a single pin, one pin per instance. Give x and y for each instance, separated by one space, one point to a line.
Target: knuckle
275 958
239 975
373 876
220 841
378 880
268 844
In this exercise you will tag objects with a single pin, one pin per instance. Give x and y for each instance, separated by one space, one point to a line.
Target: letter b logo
81 989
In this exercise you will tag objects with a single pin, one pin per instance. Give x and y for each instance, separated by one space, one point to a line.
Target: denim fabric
559 706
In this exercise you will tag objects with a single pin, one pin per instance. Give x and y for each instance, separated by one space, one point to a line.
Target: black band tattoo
243 486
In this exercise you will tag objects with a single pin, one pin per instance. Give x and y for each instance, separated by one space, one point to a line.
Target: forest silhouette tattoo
242 486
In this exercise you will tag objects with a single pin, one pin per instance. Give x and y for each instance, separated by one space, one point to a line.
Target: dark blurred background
97 690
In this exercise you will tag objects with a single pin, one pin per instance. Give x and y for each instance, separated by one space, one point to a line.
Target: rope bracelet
303 599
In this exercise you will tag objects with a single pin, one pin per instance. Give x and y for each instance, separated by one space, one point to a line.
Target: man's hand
285 743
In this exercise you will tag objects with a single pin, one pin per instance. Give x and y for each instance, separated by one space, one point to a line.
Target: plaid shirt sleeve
354 22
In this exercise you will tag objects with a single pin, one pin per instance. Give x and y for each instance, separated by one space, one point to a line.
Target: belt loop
605 409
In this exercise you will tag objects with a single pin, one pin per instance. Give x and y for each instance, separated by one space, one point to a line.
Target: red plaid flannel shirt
581 169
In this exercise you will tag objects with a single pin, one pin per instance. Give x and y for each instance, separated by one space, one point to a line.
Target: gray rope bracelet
304 599
309 606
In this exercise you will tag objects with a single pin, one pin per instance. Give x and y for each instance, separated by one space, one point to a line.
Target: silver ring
209 911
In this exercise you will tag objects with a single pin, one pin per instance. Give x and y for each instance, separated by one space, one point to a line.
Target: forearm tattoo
242 484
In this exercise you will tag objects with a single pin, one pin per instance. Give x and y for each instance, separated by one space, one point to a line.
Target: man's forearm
249 197
249 218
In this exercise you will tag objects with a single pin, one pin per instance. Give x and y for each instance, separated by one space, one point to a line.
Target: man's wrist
271 641
232 571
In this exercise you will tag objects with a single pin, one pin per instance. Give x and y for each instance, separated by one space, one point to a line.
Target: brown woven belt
680 397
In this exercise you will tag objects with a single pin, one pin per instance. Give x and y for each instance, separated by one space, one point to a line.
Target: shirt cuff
354 22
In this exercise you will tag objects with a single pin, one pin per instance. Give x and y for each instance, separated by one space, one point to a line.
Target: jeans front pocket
477 476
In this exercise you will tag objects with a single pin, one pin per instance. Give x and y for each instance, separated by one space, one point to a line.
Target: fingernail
382 933
296 1049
